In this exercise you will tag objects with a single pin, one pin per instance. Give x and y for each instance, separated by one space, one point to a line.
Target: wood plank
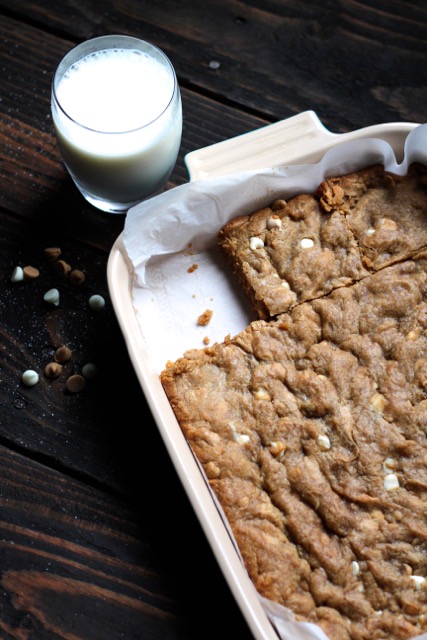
354 63
78 564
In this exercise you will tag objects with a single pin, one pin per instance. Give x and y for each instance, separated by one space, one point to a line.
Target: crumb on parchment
205 318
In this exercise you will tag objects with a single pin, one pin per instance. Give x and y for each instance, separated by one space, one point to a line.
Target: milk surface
118 121
115 90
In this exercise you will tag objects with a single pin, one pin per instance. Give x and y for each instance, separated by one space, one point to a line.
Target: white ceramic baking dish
300 140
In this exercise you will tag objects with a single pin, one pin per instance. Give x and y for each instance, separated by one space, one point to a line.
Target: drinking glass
117 115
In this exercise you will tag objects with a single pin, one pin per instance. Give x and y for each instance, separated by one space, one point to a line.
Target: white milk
118 119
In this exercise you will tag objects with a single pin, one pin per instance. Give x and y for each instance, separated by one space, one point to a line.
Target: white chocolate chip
274 222
96 302
391 482
242 438
377 402
324 443
419 581
370 231
17 274
355 568
255 243
52 297
285 284
261 394
306 243
30 378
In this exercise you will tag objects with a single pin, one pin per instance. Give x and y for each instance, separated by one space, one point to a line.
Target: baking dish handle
301 138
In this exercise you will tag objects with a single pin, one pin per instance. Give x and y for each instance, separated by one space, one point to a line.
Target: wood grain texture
88 549
76 563
356 63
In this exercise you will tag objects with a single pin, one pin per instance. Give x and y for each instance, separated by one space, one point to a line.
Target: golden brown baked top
302 249
311 428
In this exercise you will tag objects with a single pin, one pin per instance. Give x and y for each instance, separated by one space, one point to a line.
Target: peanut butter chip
413 335
277 448
63 354
75 383
53 370
77 277
278 204
52 253
62 268
213 470
389 465
389 224
30 273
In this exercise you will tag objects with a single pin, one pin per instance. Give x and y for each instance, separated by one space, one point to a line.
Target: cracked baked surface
311 428
302 249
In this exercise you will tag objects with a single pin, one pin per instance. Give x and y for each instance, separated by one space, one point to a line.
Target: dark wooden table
97 537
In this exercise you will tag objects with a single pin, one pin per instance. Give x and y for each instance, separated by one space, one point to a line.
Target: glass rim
93 41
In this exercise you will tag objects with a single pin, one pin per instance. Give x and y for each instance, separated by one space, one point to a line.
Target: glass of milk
117 114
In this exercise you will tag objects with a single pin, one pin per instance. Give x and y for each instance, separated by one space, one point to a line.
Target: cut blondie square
302 249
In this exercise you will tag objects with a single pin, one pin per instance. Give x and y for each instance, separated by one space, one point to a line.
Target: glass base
115 207
107 206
